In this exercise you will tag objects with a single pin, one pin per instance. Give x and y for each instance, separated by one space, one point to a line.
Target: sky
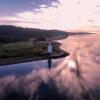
50 14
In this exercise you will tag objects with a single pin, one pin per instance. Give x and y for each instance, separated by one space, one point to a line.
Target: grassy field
26 49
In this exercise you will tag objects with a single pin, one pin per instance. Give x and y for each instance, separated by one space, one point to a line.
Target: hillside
19 44
10 34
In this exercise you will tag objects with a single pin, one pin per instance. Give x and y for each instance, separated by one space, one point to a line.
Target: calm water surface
76 77
27 67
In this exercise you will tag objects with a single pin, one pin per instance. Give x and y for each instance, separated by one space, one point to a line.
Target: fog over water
76 77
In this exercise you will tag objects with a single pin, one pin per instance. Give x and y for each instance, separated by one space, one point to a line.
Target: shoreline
10 61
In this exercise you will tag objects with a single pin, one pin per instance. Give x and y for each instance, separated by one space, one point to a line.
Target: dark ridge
79 33
10 34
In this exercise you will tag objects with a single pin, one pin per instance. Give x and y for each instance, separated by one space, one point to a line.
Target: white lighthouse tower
49 50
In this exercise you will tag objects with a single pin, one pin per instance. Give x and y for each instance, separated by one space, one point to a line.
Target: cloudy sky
50 14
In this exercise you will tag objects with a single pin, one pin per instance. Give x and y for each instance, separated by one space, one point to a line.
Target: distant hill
9 33
78 33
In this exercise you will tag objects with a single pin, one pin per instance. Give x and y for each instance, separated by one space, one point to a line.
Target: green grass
25 49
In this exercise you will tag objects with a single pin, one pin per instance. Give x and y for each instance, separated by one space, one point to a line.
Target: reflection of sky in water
60 82
25 68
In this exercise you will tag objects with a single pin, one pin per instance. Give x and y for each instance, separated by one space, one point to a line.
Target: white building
49 47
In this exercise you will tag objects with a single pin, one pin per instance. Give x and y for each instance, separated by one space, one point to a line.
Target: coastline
10 61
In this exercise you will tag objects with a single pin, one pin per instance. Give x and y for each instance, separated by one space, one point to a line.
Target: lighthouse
49 50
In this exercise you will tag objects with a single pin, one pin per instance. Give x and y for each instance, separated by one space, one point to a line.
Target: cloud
43 6
66 14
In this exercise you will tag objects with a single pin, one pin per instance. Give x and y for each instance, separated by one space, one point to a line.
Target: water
21 79
27 67
76 77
